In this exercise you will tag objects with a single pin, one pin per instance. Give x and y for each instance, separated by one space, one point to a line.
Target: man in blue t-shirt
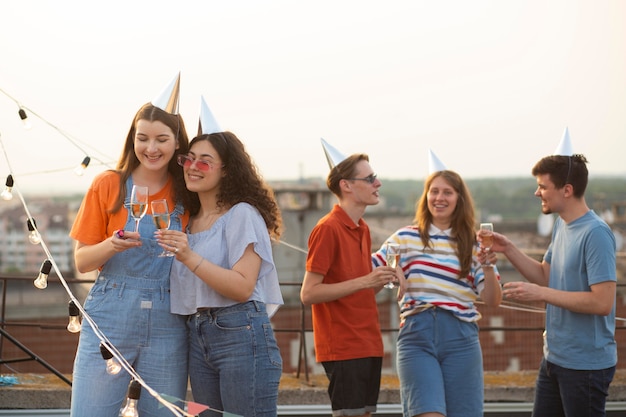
577 281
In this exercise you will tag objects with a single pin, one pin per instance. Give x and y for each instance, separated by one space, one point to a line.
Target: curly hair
128 160
242 182
462 223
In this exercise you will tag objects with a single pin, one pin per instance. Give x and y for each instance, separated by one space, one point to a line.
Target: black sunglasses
370 179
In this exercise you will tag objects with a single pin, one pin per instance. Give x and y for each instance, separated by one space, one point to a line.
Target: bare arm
533 270
237 283
315 291
492 290
598 301
88 258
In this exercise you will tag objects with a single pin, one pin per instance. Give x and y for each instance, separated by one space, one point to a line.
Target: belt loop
122 288
256 305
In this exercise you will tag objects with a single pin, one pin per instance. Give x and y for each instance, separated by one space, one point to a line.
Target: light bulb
33 236
80 170
130 409
6 193
112 366
74 324
24 117
42 280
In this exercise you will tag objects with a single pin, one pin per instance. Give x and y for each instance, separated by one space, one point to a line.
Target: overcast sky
489 86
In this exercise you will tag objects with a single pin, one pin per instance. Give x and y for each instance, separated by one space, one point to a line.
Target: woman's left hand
487 258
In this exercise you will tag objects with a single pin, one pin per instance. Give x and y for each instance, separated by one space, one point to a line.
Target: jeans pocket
273 352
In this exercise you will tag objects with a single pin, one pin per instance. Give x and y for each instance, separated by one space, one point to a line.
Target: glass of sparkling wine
161 217
393 259
138 203
486 237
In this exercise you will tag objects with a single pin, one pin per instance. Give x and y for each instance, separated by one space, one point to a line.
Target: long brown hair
128 160
462 223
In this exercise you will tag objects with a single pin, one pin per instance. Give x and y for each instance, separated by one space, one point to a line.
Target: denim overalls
130 304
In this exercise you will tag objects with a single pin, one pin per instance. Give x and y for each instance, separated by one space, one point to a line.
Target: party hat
167 100
565 147
434 163
207 123
333 156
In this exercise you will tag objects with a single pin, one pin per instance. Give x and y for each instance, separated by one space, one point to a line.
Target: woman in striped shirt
439 358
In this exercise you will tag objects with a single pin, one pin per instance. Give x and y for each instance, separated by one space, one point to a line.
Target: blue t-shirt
581 254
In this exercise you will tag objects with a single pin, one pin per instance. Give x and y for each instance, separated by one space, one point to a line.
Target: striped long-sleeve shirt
433 274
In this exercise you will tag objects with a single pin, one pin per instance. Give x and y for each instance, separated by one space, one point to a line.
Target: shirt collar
434 231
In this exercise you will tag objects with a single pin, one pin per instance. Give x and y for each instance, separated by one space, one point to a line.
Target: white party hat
565 147
207 123
333 156
434 163
168 99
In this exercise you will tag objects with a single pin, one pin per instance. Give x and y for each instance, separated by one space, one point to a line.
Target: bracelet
196 267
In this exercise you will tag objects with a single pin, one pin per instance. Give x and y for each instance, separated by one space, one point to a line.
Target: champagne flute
486 237
161 217
393 259
138 203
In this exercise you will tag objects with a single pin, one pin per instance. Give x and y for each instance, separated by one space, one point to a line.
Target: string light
80 170
74 325
33 236
113 367
42 280
24 117
6 193
130 409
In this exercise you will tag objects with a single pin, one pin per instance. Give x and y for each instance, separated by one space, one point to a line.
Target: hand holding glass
138 203
393 259
486 237
161 217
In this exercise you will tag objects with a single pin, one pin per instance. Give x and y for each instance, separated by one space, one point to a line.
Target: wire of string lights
24 111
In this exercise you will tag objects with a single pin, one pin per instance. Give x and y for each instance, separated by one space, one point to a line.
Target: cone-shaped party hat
168 99
434 163
333 156
207 123
565 147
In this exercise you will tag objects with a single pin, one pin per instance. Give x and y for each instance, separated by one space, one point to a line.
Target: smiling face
551 197
154 144
207 175
442 200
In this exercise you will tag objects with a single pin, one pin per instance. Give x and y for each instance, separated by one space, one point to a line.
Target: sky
489 86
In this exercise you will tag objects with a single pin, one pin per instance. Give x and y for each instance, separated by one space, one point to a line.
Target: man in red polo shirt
341 286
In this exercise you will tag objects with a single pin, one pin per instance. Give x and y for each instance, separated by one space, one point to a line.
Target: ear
568 190
344 185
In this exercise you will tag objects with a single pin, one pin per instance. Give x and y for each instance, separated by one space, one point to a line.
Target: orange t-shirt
347 328
94 222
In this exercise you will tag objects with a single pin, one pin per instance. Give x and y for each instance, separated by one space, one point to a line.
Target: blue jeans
562 392
234 360
440 365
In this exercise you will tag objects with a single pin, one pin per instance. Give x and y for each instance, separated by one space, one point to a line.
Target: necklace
205 222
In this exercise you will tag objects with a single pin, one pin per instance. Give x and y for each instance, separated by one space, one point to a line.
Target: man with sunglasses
341 286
